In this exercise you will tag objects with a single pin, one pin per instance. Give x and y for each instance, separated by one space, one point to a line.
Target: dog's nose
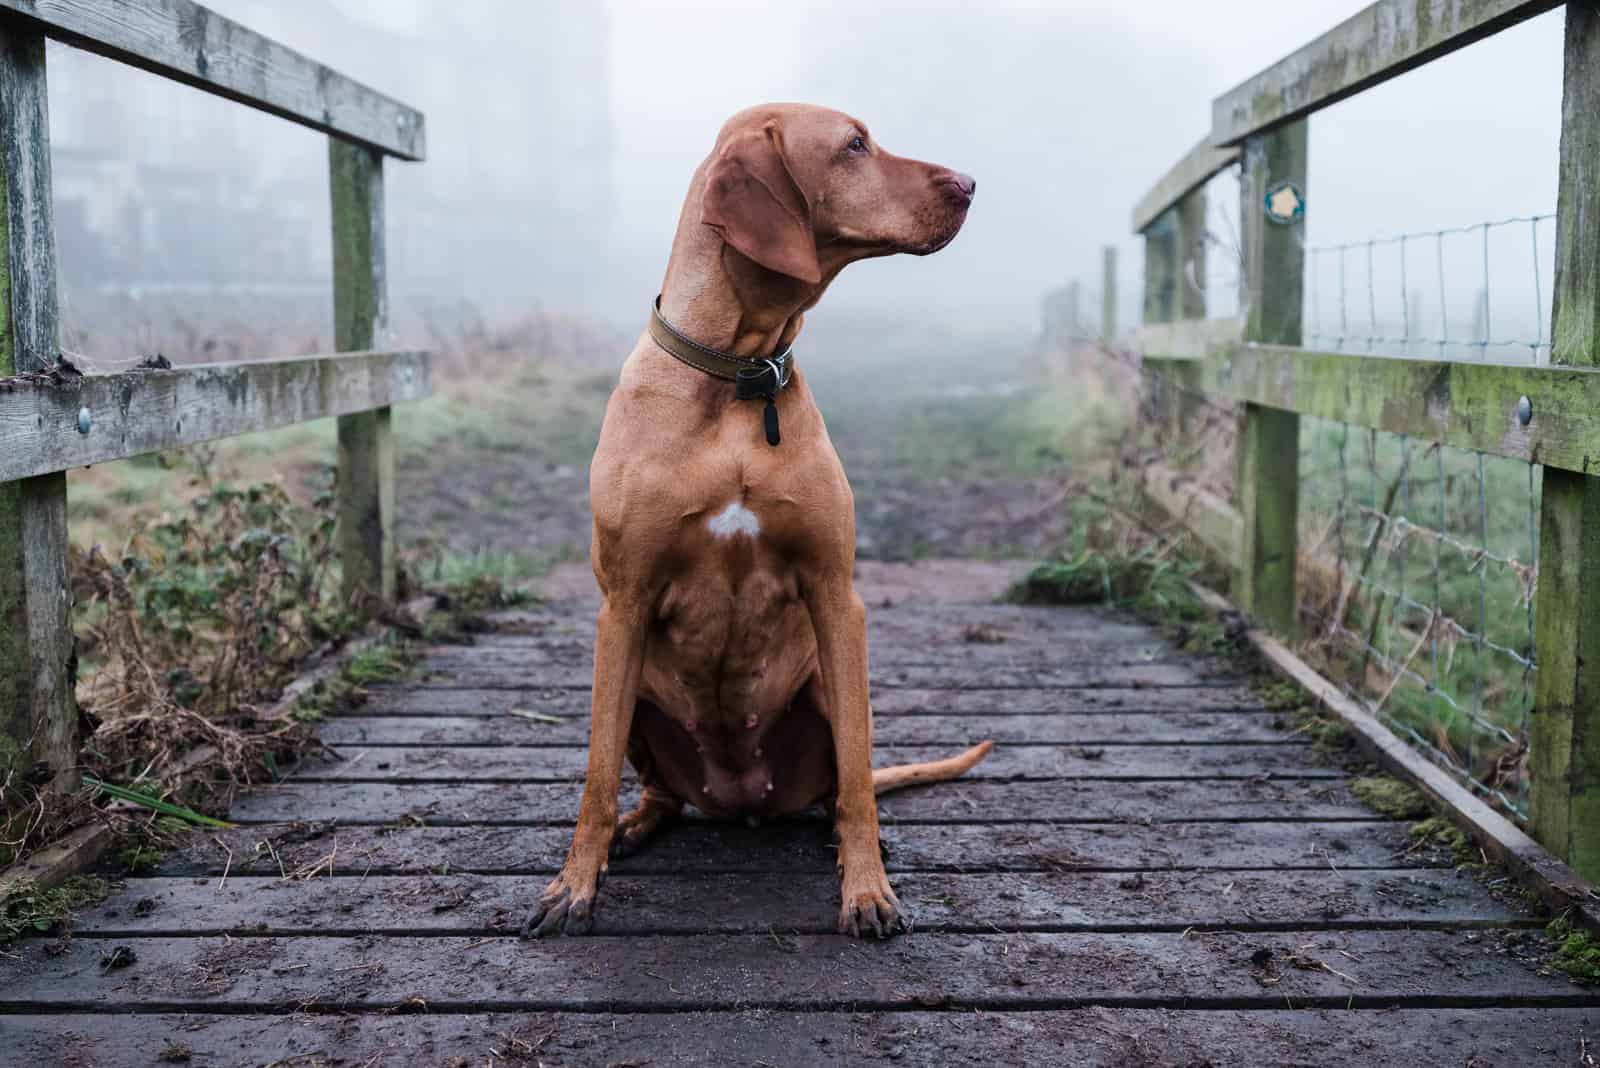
960 185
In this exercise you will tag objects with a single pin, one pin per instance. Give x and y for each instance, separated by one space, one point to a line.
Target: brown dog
731 653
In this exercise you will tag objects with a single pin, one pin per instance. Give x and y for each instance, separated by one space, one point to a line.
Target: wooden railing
1547 415
51 421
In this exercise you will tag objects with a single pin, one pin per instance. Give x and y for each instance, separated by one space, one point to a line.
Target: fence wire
1418 562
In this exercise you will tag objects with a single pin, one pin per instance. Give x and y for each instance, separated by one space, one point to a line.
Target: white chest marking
734 520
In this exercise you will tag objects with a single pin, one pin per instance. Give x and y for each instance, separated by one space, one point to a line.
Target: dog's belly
727 719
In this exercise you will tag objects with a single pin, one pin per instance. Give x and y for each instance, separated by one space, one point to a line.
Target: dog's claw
560 910
880 915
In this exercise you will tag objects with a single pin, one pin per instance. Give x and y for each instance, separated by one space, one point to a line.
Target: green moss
1576 951
378 663
1390 797
29 910
1439 833
1280 696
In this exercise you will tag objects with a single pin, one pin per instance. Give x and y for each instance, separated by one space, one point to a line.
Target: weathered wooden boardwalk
1152 868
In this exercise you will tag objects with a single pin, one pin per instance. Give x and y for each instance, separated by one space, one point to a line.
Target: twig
227 865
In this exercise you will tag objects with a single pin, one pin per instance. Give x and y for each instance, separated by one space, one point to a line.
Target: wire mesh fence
1418 562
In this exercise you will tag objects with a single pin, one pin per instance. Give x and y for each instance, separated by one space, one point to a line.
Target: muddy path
953 447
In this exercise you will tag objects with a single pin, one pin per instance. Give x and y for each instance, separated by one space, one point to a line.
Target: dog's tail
886 779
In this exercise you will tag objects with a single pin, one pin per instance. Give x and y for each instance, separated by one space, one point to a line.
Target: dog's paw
567 906
637 827
875 911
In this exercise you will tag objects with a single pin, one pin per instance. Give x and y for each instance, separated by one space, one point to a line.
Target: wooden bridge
1154 867
1150 867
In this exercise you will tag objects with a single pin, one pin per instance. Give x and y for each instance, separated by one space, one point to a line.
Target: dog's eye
857 145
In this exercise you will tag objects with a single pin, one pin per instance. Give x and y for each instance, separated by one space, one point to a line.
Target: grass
1437 489
383 662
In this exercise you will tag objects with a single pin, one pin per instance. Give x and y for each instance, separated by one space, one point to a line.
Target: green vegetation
1577 952
1438 832
28 910
383 662
153 803
1435 490
1390 797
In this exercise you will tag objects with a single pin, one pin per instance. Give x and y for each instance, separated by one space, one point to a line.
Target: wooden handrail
1378 43
1197 167
194 45
49 425
1476 406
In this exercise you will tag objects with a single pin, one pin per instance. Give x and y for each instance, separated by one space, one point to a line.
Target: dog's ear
753 201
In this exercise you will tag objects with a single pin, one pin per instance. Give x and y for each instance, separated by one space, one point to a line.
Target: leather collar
761 377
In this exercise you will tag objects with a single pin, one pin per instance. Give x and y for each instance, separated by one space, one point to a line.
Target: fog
561 137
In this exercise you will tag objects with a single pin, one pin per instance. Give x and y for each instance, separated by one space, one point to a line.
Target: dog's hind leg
657 808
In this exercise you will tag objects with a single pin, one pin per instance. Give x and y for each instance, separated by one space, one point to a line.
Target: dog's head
803 190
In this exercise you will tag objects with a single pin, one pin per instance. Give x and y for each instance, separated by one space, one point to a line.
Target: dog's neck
720 299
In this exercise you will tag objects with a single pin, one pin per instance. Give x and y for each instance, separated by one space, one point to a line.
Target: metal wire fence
1418 562
1429 614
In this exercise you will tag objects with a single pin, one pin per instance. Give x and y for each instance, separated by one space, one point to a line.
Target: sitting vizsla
731 653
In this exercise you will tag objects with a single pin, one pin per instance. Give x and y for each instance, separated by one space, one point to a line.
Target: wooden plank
1208 516
454 974
1267 487
393 700
38 664
806 845
1380 42
507 763
967 801
360 319
1464 405
199 48
1098 1037
1189 728
1186 339
139 412
1562 890
734 904
1197 167
1564 744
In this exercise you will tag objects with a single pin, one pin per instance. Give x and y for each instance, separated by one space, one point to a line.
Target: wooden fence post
1160 267
1108 296
360 314
1189 255
38 713
1565 744
1271 296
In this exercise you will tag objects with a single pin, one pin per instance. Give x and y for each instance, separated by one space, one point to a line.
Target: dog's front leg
840 621
567 903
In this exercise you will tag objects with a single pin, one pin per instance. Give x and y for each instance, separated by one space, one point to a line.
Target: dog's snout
957 184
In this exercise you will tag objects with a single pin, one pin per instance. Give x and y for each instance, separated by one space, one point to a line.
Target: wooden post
1564 749
1108 296
1189 255
38 714
1271 294
360 314
1160 267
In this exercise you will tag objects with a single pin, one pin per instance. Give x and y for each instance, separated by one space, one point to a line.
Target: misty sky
1065 114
